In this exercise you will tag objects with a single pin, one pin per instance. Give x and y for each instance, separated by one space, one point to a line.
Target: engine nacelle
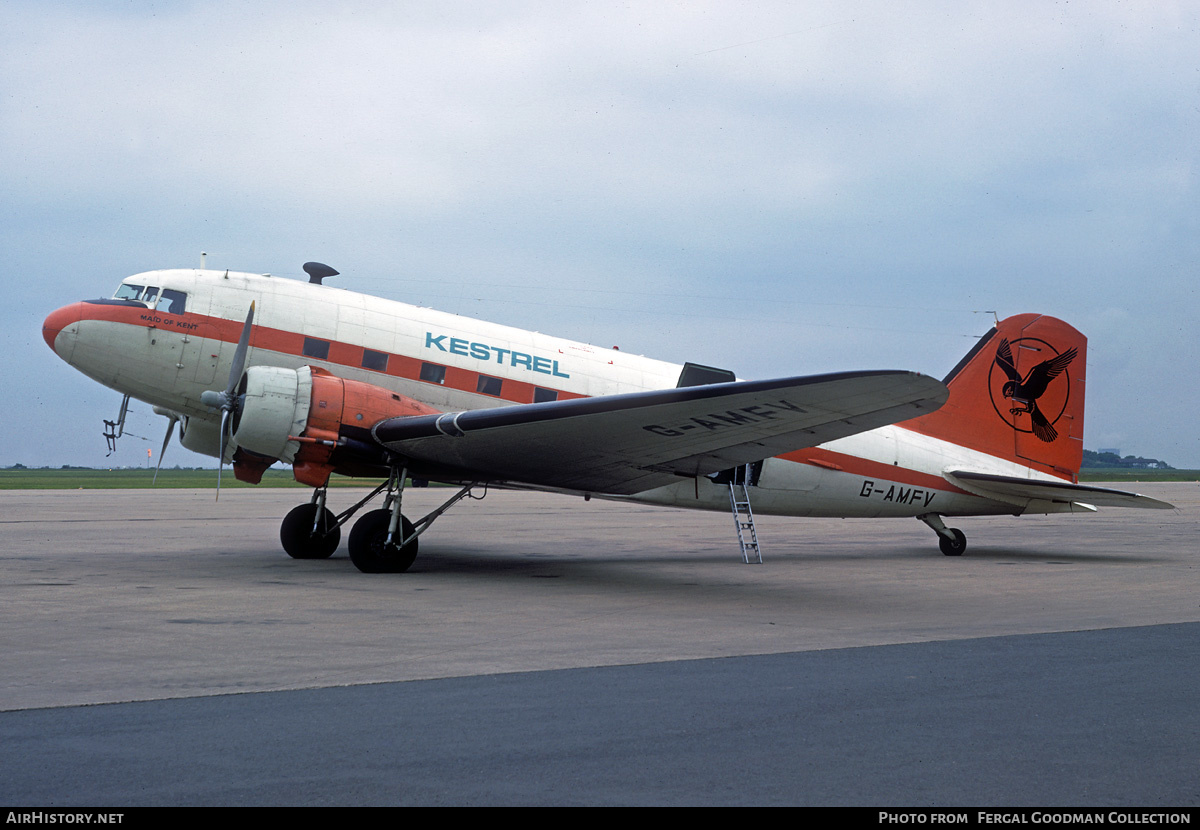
307 416
200 435
274 410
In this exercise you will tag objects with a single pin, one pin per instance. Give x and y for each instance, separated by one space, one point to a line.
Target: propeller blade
227 401
221 457
239 356
163 451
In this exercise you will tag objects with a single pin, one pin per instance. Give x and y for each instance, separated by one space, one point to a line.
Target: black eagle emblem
1024 392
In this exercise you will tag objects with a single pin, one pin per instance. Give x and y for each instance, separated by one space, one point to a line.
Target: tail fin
1018 395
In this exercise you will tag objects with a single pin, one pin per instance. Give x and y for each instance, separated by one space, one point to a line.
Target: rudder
1018 395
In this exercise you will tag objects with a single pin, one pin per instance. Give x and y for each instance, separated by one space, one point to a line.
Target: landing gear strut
381 541
310 531
374 550
951 540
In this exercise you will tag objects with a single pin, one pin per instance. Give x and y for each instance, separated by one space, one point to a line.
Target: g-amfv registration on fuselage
257 369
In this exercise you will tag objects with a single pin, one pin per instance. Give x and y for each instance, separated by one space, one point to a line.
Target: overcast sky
777 188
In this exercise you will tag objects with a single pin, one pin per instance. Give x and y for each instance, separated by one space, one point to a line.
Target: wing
1042 428
1004 359
625 444
1012 490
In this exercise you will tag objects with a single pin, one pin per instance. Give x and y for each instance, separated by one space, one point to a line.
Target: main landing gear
381 541
310 531
951 540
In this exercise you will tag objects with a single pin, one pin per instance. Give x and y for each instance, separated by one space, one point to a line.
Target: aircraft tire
295 533
956 546
369 550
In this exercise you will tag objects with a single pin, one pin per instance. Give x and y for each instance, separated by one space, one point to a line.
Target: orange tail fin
1018 395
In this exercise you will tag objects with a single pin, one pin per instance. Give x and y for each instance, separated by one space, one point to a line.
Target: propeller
171 421
227 400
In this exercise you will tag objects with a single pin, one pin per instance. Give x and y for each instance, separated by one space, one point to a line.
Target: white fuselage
169 358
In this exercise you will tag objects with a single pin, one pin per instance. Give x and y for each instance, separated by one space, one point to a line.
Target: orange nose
59 320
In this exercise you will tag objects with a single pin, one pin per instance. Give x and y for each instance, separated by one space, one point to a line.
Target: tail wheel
296 533
955 546
369 548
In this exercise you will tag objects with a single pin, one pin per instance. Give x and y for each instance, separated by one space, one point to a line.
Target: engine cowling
273 410
306 416
201 435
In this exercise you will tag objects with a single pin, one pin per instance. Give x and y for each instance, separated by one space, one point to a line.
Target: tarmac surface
547 650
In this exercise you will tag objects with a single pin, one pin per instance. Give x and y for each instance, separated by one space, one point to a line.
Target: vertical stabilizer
1018 395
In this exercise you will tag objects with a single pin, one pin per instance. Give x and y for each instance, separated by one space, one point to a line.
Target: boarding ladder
743 515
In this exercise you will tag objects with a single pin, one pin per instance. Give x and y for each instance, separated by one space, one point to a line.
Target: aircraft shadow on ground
717 565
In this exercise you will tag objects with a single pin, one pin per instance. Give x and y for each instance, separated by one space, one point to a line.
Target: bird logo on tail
1027 395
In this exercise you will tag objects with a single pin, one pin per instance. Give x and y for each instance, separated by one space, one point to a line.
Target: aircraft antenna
318 271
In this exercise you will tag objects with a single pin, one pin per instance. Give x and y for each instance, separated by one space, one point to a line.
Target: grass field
1139 475
141 479
207 479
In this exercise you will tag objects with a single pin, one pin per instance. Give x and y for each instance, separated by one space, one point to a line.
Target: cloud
855 179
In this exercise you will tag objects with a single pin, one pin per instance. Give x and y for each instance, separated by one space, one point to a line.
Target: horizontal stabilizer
625 444
1017 490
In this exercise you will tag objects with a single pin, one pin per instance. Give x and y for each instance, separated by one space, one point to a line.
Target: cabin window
541 395
128 291
375 361
316 348
433 373
489 386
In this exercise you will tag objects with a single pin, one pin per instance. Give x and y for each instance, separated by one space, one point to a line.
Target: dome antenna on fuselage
318 271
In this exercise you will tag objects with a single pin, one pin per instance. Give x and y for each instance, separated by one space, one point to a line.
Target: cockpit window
172 302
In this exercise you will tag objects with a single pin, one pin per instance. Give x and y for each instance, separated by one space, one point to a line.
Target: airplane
330 380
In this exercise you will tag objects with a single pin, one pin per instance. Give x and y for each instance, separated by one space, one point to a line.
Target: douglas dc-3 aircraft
328 380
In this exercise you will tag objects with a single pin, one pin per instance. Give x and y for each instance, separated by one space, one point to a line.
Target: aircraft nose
59 320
